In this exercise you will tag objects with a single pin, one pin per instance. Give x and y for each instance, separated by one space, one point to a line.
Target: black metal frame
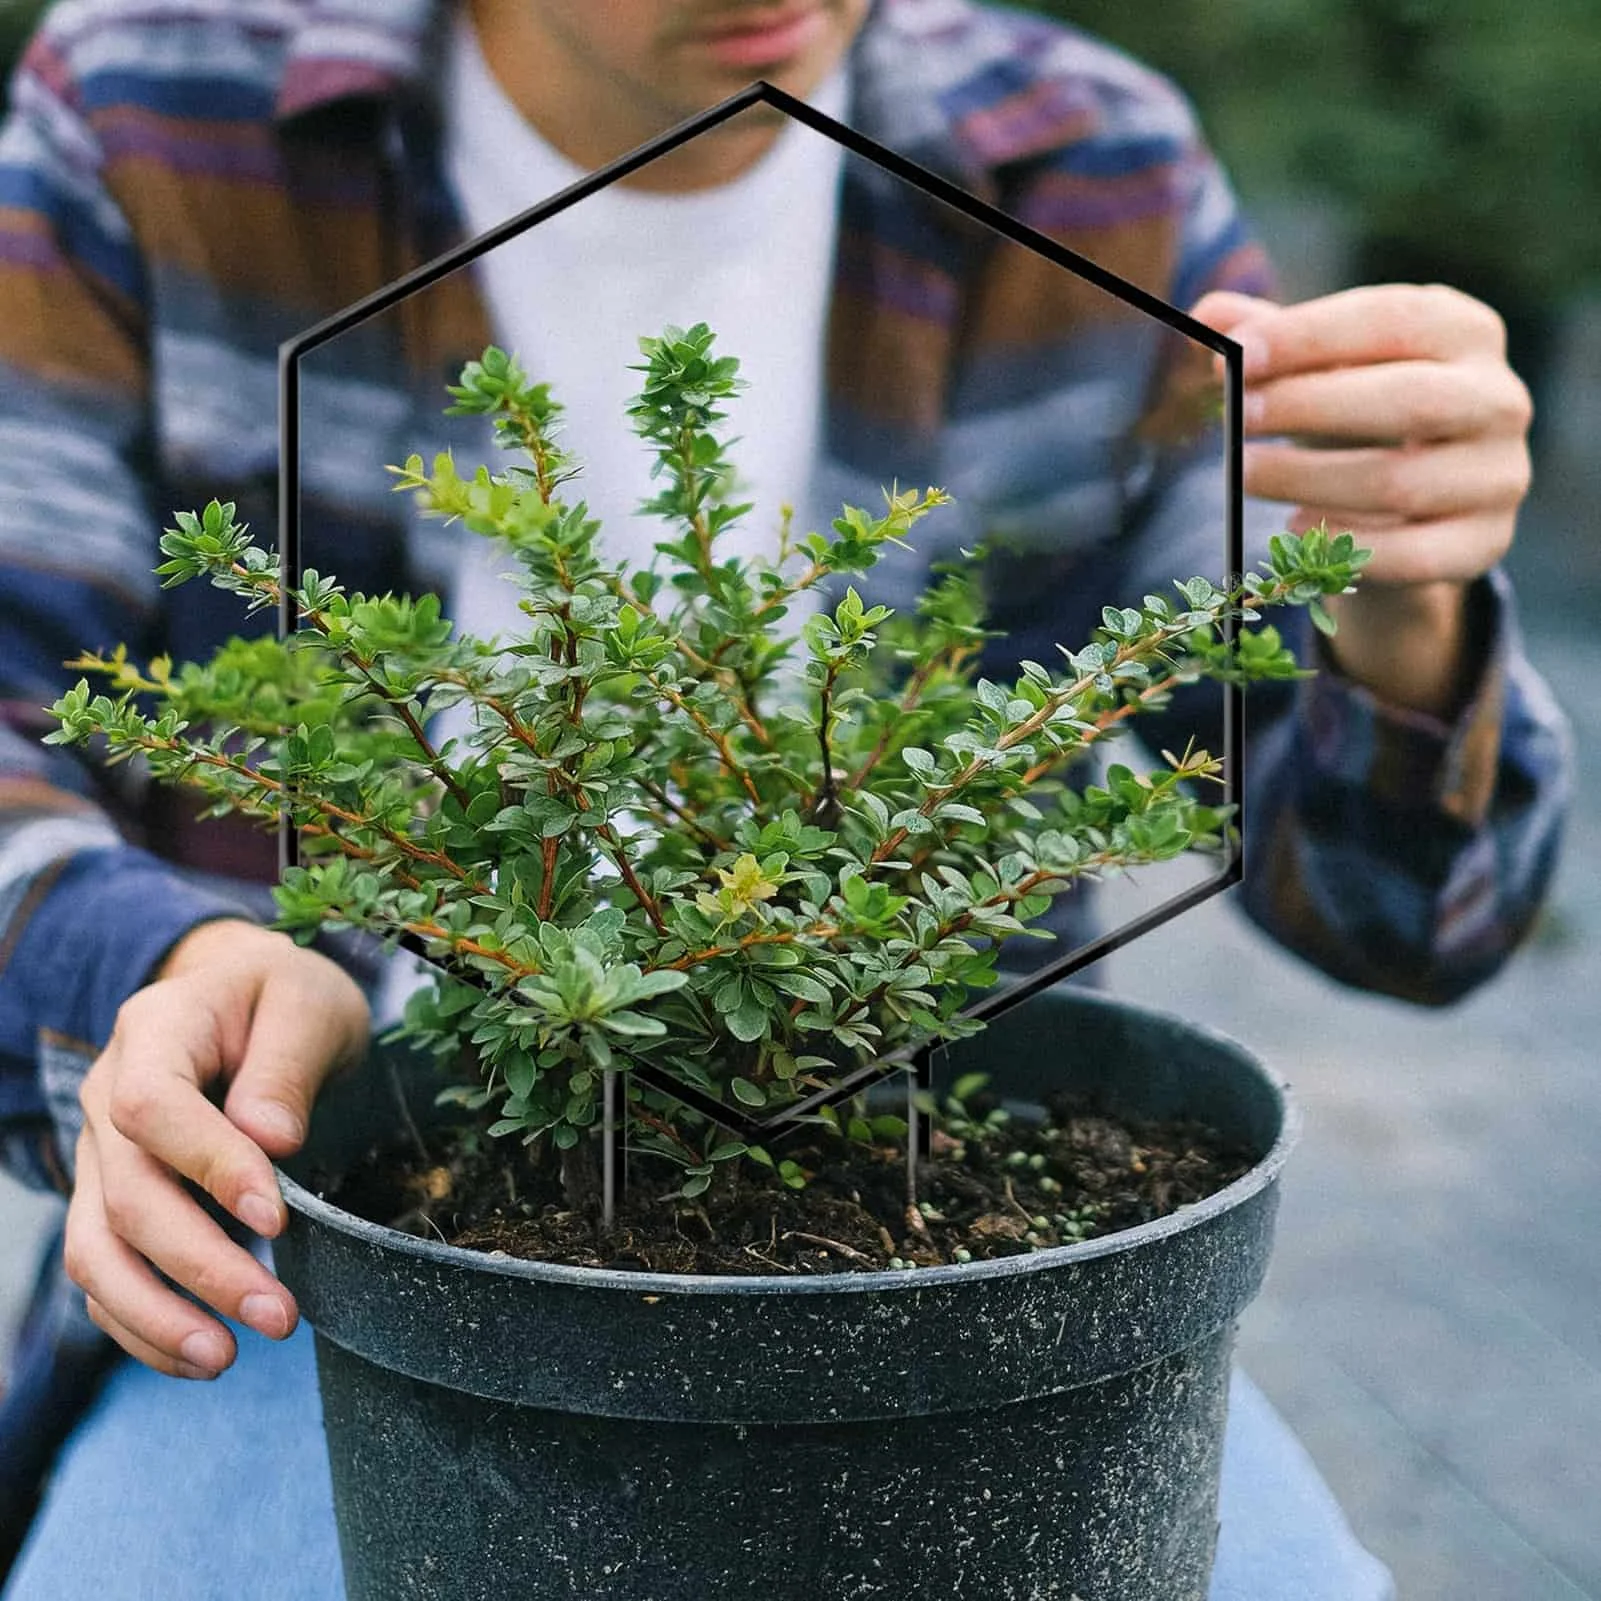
915 1060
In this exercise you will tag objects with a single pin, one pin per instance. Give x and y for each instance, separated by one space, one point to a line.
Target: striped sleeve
83 916
1398 853
1403 854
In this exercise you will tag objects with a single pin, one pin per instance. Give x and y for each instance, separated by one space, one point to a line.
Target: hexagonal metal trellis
916 1062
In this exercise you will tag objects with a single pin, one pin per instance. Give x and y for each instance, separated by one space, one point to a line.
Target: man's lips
763 41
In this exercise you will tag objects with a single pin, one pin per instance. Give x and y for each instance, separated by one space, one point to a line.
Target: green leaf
801 985
635 1024
968 1085
661 982
748 1021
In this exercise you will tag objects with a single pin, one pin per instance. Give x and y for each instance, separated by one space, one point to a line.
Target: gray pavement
1430 1323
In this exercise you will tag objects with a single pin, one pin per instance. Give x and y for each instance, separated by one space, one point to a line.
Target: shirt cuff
105 924
1412 759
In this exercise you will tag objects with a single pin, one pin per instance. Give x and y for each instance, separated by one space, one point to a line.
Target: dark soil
1025 1187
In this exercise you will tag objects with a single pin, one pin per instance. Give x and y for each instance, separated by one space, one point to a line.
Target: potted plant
685 861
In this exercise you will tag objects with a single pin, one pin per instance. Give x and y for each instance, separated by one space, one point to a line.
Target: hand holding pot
233 1004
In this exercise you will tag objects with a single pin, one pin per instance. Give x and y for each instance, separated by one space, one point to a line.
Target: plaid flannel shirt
185 185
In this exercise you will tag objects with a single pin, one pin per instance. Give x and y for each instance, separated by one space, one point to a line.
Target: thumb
310 1020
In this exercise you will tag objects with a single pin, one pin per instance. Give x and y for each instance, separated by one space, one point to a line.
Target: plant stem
820 931
195 756
1138 650
718 741
824 807
364 665
690 823
706 667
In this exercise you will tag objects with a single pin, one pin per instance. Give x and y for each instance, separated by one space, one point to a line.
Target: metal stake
913 1136
608 1147
919 1129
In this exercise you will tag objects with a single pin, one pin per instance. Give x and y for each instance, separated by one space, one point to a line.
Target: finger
1431 400
1413 483
168 1049
147 1210
140 1351
1223 309
1458 549
1356 327
307 1024
149 1321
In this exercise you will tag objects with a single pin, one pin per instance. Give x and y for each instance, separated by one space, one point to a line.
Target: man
184 190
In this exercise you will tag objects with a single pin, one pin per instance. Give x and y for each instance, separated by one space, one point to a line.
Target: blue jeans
173 1491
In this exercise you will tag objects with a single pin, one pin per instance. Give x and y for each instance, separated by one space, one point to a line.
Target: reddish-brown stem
706 666
358 853
468 947
788 592
1107 719
690 823
363 665
764 937
964 920
718 741
1030 725
646 900
405 846
549 850
666 1130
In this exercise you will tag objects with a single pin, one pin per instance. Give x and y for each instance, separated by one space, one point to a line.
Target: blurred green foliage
1465 134
17 19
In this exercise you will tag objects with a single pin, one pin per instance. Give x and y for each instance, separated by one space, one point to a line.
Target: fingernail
273 1117
260 1214
1253 410
1255 357
206 1353
266 1314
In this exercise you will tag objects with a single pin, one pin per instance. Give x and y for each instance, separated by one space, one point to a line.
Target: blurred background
1432 1322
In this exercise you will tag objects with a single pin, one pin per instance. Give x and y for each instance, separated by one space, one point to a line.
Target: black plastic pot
1033 1429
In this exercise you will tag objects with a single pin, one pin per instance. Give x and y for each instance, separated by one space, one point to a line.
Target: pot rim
1194 1215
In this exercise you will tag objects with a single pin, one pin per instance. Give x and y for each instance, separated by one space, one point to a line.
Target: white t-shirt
571 297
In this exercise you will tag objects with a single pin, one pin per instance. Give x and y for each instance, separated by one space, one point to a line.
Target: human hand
1406 427
232 1004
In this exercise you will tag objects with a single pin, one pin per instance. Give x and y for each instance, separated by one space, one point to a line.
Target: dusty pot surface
1030 1429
